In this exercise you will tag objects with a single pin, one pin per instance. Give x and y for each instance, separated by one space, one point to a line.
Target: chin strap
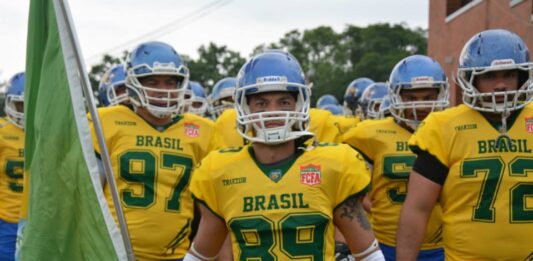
504 137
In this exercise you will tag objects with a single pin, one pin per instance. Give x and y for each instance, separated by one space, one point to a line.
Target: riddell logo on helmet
502 62
271 79
422 79
310 174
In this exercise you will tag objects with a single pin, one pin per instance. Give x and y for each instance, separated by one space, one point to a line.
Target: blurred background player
326 99
194 100
11 166
417 85
222 96
112 90
336 110
384 108
371 100
287 187
475 159
329 103
153 151
352 95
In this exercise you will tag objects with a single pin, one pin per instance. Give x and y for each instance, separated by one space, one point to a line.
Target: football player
153 151
326 99
475 159
11 166
372 98
417 86
112 90
222 96
353 94
287 201
194 100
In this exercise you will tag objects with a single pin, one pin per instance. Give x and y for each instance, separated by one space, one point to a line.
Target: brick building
453 22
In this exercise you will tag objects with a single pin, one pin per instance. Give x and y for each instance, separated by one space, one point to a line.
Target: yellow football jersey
226 135
345 123
153 169
487 196
384 144
322 124
283 212
12 168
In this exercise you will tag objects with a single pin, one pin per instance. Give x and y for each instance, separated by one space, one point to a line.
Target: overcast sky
106 25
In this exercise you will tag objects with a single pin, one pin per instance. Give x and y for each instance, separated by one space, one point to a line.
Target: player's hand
342 252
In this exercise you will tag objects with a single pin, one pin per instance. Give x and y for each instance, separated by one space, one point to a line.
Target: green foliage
98 70
331 60
214 63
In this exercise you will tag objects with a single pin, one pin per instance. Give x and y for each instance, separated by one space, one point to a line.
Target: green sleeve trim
197 200
368 159
359 194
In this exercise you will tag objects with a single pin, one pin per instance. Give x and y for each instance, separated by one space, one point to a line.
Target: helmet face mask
222 95
193 99
423 79
495 101
112 89
14 103
156 59
384 108
372 98
353 93
492 51
267 73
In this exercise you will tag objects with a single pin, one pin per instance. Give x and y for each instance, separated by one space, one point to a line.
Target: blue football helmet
272 72
222 95
150 59
334 109
495 50
326 99
112 90
384 108
413 73
194 99
371 99
353 94
14 97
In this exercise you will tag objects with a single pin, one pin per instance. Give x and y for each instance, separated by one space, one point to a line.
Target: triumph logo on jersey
310 175
192 130
529 124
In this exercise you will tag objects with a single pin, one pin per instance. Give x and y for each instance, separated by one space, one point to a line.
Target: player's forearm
351 220
411 228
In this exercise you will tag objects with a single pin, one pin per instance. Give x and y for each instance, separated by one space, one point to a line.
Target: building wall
448 34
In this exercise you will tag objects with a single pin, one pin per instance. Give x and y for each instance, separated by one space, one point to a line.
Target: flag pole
65 22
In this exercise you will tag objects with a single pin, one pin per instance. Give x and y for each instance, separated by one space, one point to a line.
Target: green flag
68 217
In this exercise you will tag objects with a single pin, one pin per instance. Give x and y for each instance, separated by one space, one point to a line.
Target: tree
332 60
98 70
214 63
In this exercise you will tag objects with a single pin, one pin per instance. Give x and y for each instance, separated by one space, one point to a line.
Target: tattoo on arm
351 208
